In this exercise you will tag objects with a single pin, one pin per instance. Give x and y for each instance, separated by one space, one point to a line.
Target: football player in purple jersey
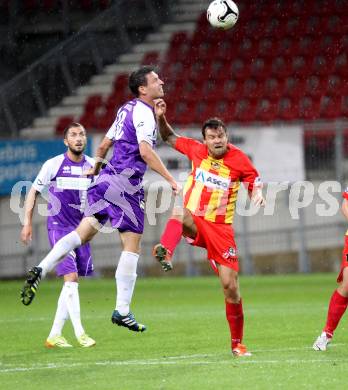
67 186
117 194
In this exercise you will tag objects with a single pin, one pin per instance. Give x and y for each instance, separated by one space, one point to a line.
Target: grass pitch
186 345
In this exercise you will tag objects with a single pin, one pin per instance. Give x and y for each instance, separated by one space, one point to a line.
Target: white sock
61 316
126 275
72 300
59 251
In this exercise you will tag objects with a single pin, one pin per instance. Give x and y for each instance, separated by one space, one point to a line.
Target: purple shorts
79 260
125 211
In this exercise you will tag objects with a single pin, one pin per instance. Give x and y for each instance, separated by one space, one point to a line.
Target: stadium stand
283 61
288 60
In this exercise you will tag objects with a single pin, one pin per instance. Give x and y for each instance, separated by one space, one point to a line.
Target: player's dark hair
73 124
213 123
138 78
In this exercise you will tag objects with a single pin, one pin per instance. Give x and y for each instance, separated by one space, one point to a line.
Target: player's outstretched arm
29 205
167 133
100 155
153 160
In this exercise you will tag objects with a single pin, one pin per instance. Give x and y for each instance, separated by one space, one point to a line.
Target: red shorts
344 262
218 239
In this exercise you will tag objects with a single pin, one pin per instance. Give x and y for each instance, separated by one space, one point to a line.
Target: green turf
186 345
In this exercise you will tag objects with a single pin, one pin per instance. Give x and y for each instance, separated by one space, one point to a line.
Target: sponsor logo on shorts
231 253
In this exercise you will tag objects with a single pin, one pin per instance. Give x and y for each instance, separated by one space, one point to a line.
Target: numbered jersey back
134 123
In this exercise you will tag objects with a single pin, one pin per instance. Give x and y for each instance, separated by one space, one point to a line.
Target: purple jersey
135 122
67 189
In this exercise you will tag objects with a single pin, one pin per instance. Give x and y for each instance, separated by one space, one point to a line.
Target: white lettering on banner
73 183
211 180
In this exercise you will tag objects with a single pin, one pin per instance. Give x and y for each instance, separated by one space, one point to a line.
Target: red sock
235 318
337 307
172 235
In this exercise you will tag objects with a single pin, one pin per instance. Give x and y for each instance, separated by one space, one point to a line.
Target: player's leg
55 338
180 223
126 275
72 300
234 308
337 307
86 230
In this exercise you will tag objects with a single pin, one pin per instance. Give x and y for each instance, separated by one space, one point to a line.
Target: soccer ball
222 14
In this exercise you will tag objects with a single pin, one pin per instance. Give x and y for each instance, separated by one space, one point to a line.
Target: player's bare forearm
101 153
344 208
29 206
27 230
155 163
166 131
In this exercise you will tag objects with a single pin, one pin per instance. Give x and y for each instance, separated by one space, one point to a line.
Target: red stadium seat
294 87
281 67
331 108
94 102
233 90
301 66
340 66
245 111
309 108
240 70
150 58
247 49
121 81
315 86
344 107
266 110
252 89
287 46
260 68
62 123
336 86
321 66
267 47
287 109
273 89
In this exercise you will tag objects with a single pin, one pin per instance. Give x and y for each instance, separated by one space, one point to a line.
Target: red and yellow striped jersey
212 187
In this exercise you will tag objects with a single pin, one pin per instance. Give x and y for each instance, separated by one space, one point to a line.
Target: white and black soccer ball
222 14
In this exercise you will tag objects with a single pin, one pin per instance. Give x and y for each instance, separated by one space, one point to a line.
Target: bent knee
178 213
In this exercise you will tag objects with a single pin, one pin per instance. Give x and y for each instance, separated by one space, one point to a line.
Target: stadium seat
281 67
309 108
294 87
287 109
150 58
266 110
63 122
273 89
252 89
330 107
245 111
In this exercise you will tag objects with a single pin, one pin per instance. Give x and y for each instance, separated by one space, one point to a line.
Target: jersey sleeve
145 124
186 146
249 175
345 194
48 171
